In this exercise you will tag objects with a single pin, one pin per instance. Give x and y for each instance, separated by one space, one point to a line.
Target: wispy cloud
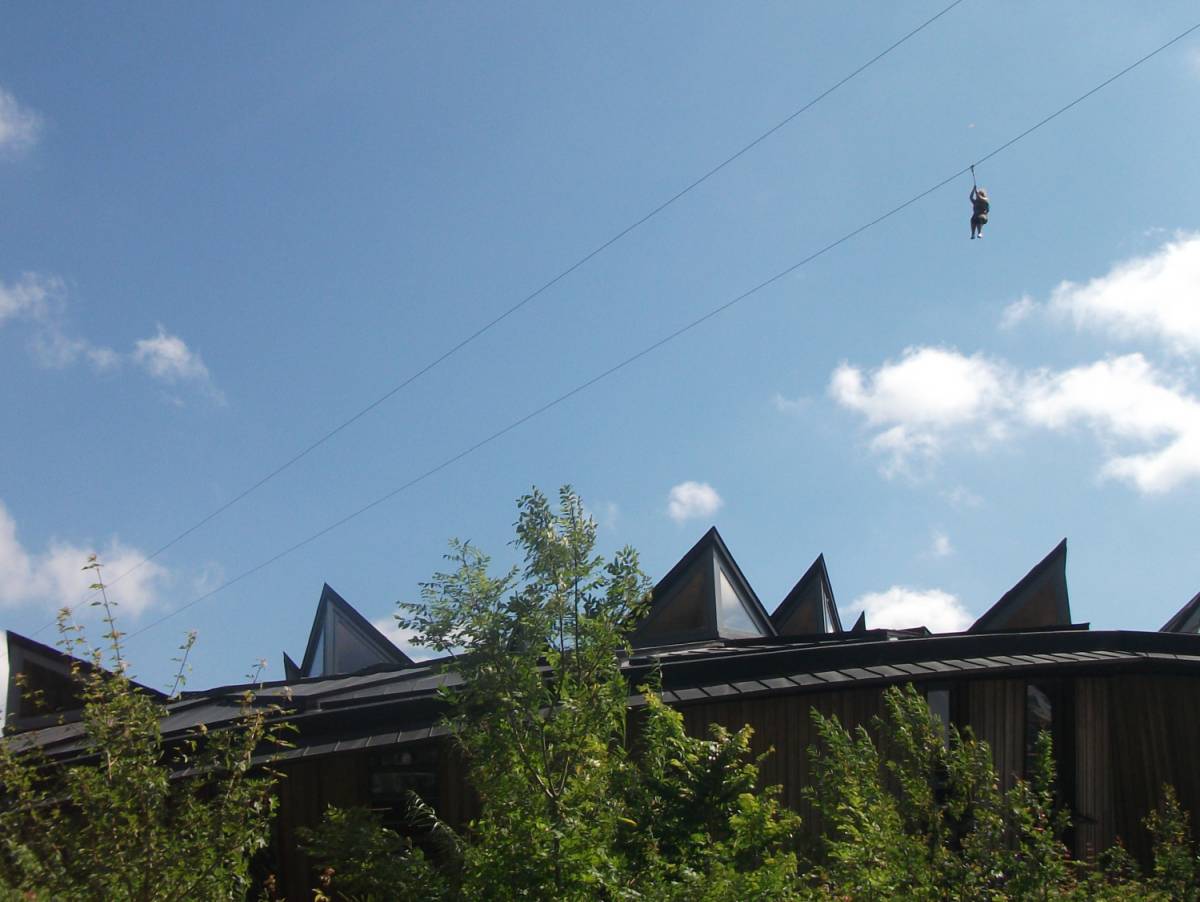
54 578
692 500
790 406
903 608
1017 312
30 297
39 303
19 126
939 545
962 497
167 358
608 513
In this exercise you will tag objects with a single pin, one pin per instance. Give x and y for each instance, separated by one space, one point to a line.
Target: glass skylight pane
318 662
733 619
351 651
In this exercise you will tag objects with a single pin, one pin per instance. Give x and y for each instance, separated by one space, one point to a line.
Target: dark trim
1179 622
291 670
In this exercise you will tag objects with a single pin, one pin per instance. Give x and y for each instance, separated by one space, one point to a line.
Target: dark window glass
682 611
395 774
939 706
1039 716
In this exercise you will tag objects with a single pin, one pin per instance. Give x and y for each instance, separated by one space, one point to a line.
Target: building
1122 706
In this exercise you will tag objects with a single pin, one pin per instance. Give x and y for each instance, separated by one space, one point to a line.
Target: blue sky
228 228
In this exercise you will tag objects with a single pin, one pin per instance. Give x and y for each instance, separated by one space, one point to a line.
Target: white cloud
692 500
167 357
54 349
39 302
54 578
30 297
940 545
902 608
928 386
402 639
923 399
19 126
1155 297
1124 401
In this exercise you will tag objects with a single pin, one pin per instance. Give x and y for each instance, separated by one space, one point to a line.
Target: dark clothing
979 207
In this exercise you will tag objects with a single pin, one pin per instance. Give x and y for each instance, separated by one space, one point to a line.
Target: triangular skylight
704 597
809 608
1038 600
343 641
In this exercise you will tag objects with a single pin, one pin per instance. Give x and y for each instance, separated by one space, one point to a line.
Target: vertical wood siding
784 726
996 714
1154 731
1094 829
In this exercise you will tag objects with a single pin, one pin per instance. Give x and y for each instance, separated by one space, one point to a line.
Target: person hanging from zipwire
979 207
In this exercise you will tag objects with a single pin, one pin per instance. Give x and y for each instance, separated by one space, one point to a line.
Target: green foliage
129 818
1176 871
696 827
540 712
926 819
540 715
363 861
916 818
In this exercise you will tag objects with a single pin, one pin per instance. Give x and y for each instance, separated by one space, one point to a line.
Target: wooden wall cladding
1154 735
1094 825
783 725
995 711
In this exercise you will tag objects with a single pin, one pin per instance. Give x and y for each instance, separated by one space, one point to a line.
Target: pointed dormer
1038 600
342 641
705 597
1186 619
860 625
809 608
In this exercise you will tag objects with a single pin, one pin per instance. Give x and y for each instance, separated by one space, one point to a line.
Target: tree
132 818
916 816
541 716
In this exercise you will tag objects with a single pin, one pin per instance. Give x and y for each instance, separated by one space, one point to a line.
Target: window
394 774
1049 707
733 617
939 706
1039 718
